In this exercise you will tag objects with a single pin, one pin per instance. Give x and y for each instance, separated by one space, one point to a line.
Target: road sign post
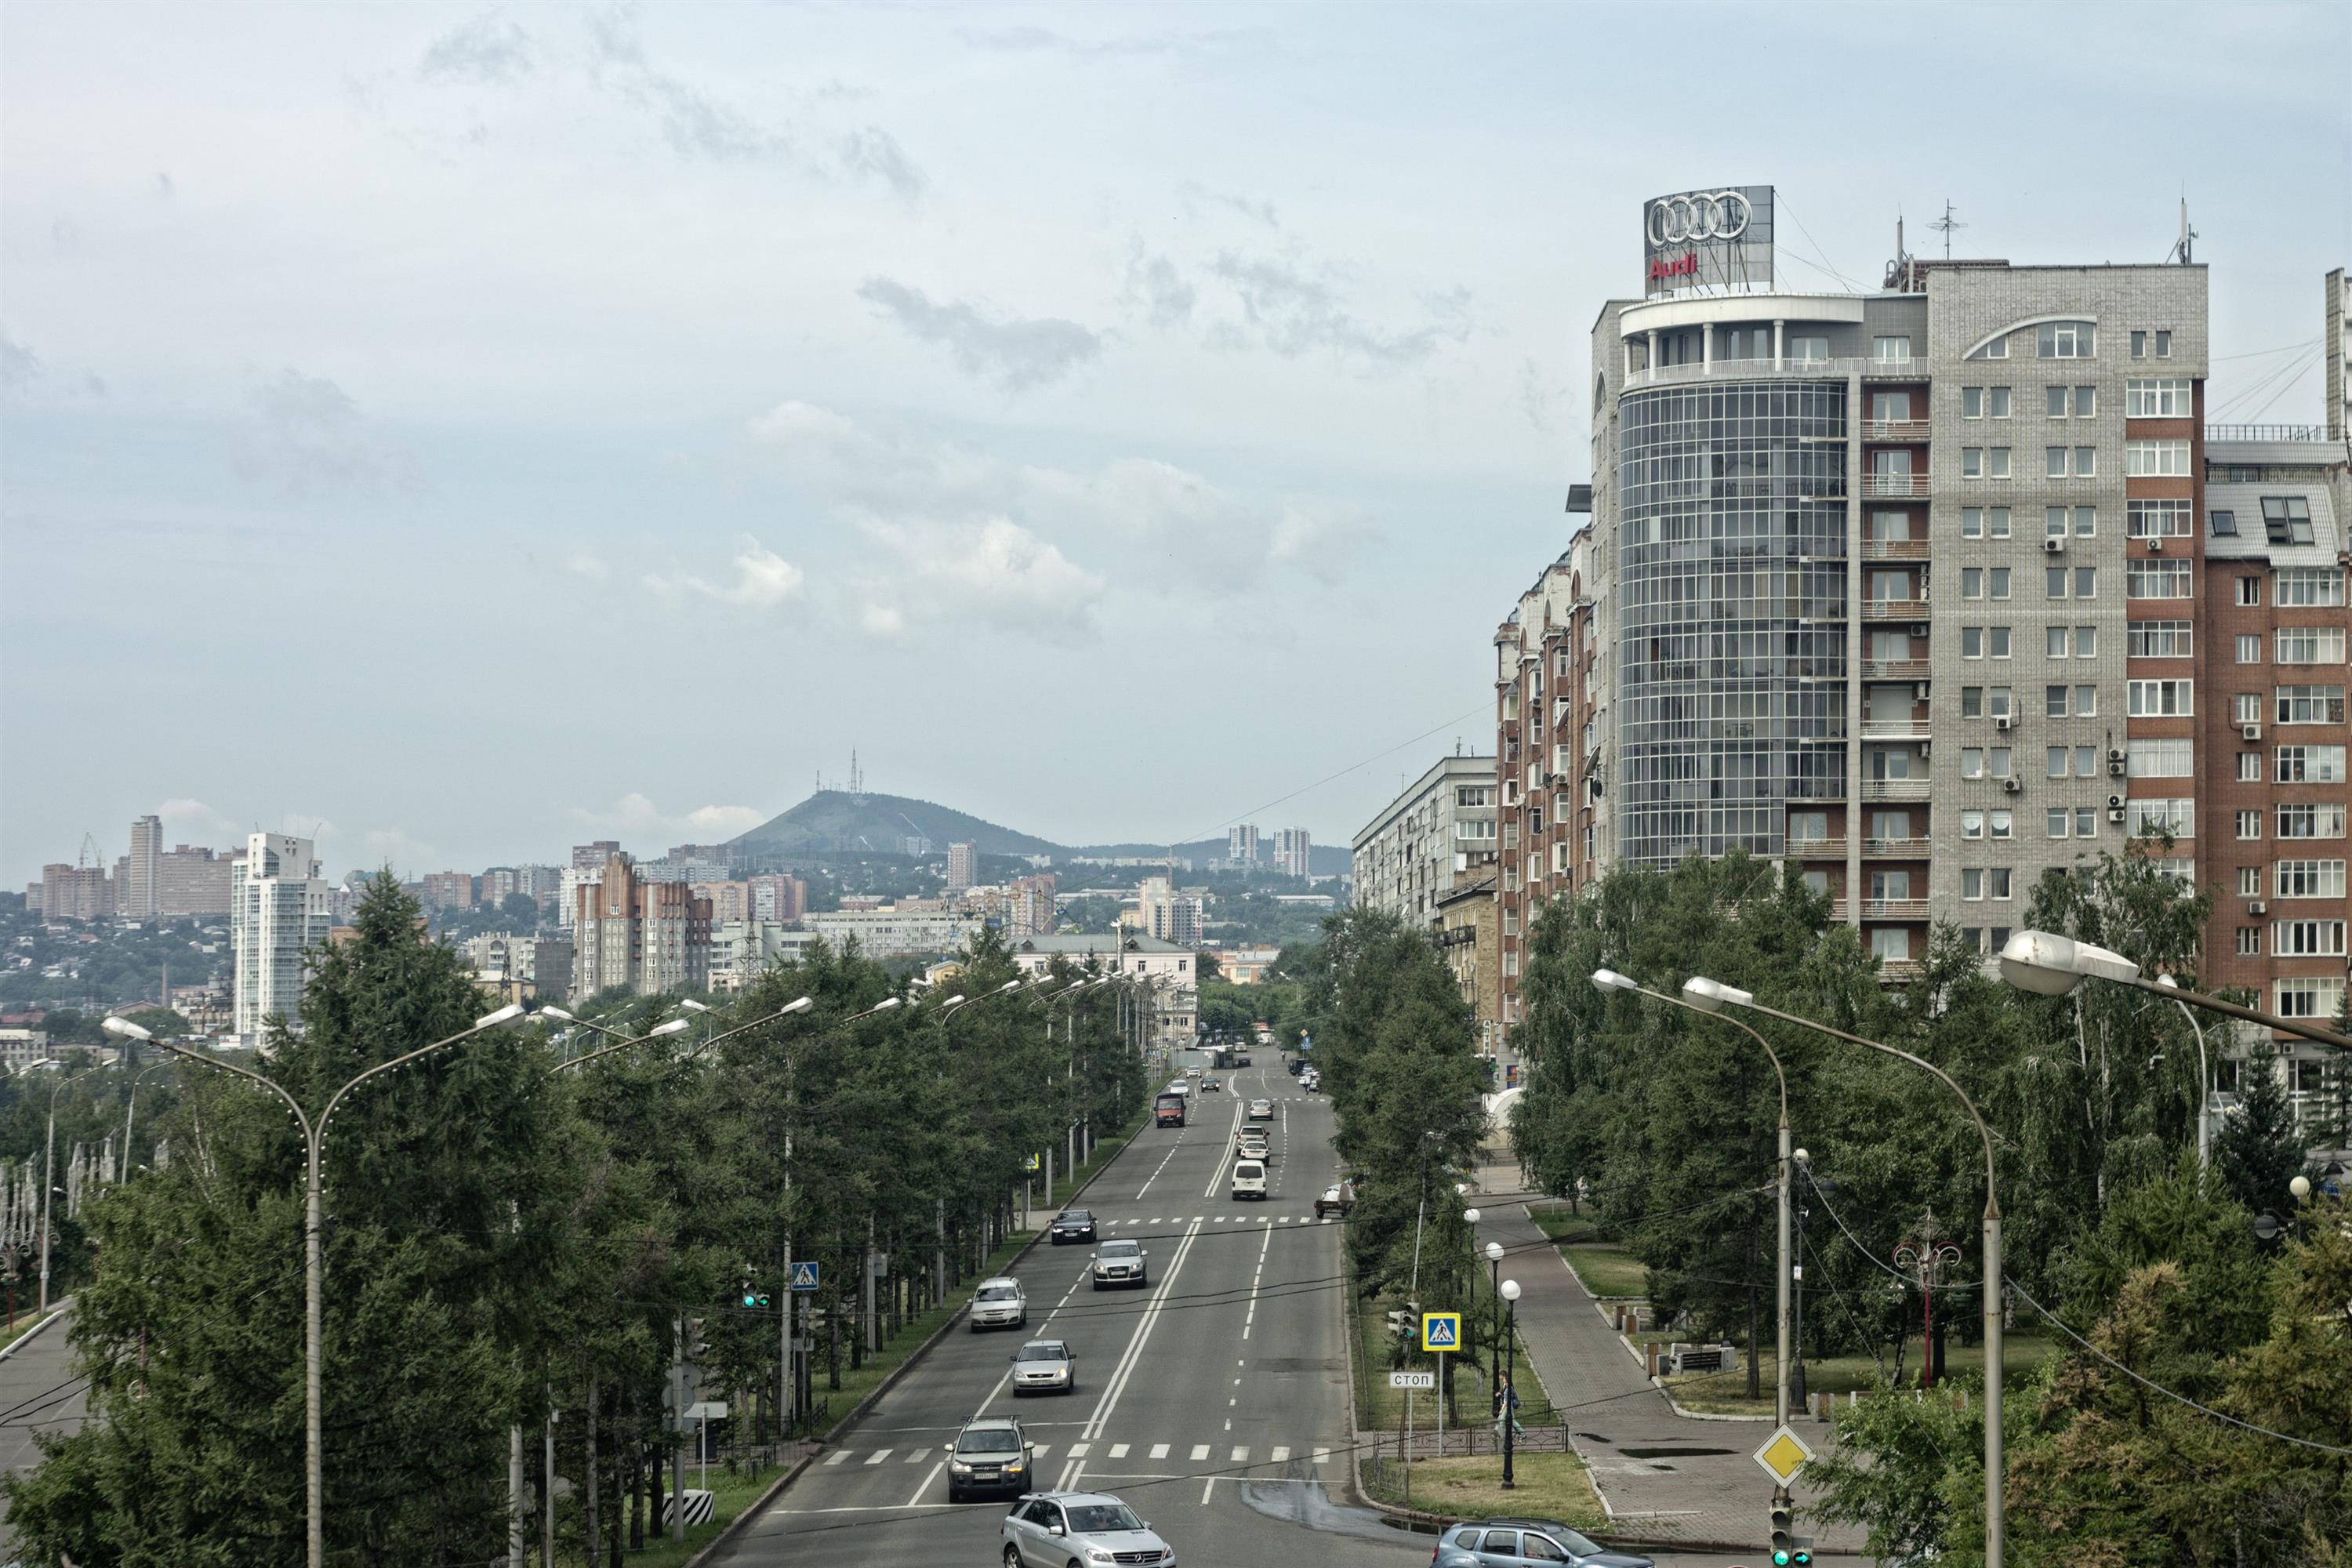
1441 1331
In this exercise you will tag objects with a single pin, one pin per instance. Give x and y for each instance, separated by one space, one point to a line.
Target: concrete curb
30 1335
760 1504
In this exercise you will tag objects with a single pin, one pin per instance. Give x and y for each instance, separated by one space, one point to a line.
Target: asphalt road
40 1392
1214 1400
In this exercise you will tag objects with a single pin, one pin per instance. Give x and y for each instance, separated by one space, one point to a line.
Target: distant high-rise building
1241 844
964 867
136 896
778 898
495 885
643 935
1291 852
76 892
729 900
192 881
1030 910
1167 912
592 857
278 910
449 889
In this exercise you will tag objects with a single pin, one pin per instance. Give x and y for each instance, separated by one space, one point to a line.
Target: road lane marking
1150 1319
837 1456
878 1455
1208 1486
1037 1450
1200 1452
1119 1450
1078 1450
1241 1456
928 1479
1159 1450
1280 1455
914 1456
1322 1456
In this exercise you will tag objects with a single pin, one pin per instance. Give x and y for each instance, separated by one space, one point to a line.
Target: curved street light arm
2309 1031
301 1117
1621 982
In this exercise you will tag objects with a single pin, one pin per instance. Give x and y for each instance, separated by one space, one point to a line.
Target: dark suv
989 1456
1071 1225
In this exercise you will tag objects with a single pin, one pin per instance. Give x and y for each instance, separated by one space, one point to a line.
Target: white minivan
1249 1179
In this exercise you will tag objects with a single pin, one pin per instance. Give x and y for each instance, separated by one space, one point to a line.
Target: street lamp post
1495 1283
314 1260
2204 1077
1510 1293
1609 980
1711 995
2052 965
49 1174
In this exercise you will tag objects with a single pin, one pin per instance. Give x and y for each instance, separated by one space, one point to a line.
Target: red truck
1168 1110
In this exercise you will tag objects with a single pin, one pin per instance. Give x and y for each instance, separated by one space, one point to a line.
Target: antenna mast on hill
857 779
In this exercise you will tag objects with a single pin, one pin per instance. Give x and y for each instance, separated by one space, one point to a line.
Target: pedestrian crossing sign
1441 1330
803 1275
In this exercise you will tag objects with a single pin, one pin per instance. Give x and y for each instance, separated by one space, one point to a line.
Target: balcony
1894 850
1895 729
1895 909
1816 849
1894 669
1894 430
1895 550
1894 486
1748 370
1894 789
1895 609
1904 369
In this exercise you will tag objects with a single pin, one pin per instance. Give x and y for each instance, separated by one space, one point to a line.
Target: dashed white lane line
837 1456
926 1485
878 1455
1159 1450
914 1456
1159 1167
1200 1452
1119 1450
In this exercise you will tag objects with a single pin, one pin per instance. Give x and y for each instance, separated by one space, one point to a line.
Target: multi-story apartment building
192 881
778 897
729 901
645 935
1241 845
893 932
76 892
448 890
280 909
964 867
1165 911
1439 830
135 891
1029 906
1293 852
1166 970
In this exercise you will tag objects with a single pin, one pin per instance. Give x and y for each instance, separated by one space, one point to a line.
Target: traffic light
752 1298
1784 1544
1802 1553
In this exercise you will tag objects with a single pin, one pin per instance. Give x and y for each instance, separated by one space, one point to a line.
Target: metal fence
1460 1443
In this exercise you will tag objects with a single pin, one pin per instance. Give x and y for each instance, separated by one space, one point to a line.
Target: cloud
763 580
308 435
591 567
874 151
187 821
636 817
408 857
490 48
1318 537
1155 284
694 123
1295 314
1018 355
994 572
19 366
1039 40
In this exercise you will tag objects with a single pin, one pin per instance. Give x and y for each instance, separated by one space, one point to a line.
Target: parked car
999 1304
988 1456
1045 1366
1071 1225
1057 1528
1526 1543
1337 1199
1120 1263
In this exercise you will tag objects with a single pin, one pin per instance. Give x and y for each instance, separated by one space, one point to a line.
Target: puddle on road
1312 1507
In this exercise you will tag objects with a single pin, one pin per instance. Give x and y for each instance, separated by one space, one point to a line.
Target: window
1996 642
1972 403
2286 520
2163 345
2250 881
2182 869
1997 522
2310 765
1971 882
2086 701
2086 402
2160 639
2157 399
2057 823
2319 820
2053 706
2160 699
2053 582
2177 818
2053 518
2250 647
2250 592
2310 704
1972 462
1997 702
1891 945
1999 582
2156 459
1998 762
2307 880
1996 881
1996 402
1992 348
2309 587
2156 580
2307 939
1971 701
2156 519
1971 642
1996 462
2138 344
1808 827
2055 464
1971 582
2086 461
2086 822
1883 348
2246 708
2311 996
2224 524
2162 759
1972 824
2250 825
2086 642
2000 823
2055 397
1972 766
2086 582
1972 522
2065 340
1809 347
2310 644
2054 640
2058 758
2250 767
2250 941
2086 520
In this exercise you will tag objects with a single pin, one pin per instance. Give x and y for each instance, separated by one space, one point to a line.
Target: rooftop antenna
1901 256
2180 247
1945 225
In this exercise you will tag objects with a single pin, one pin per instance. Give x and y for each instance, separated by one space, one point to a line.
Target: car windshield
1249 1168
1120 1249
1000 1292
1075 1216
1046 1349
1094 1518
1330 1192
994 1440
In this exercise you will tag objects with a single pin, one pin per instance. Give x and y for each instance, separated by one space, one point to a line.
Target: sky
459 433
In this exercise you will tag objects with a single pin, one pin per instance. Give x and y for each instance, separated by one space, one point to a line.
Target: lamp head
1469 1216
1801 1156
558 1014
674 1026
1510 1290
1607 980
2048 965
1493 1252
884 1006
1010 985
2300 1189
126 1029
2167 982
800 1004
953 1001
1713 996
691 1005
510 1012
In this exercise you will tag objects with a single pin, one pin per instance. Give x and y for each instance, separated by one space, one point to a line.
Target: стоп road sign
1412 1380
1441 1330
803 1275
1783 1454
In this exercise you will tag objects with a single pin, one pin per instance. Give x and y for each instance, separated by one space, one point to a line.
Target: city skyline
484 324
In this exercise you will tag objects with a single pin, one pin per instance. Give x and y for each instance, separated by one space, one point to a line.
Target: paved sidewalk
1661 1476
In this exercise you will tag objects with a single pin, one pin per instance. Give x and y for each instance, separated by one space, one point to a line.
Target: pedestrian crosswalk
1220 1219
1197 1457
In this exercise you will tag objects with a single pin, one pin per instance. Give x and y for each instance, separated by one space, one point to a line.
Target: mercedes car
1053 1529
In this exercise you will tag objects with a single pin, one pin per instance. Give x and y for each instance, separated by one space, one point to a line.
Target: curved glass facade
1731 687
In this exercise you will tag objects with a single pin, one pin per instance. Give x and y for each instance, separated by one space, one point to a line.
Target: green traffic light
1802 1558
1782 1558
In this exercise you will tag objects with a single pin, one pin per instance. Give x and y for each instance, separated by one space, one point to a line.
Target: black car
1071 1225
1296 1065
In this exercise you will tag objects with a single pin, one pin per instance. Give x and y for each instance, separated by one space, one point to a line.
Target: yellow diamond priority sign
1783 1454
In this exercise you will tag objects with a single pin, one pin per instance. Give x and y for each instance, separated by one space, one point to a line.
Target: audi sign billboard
1707 242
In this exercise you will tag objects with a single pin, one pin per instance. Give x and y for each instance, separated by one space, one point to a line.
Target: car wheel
1098 1283
1012 1557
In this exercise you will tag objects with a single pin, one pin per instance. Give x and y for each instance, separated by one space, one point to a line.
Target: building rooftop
1125 942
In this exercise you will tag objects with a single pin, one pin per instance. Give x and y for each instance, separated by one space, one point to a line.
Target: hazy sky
466 432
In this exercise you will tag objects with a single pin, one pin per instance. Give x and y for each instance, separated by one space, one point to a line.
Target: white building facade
279 908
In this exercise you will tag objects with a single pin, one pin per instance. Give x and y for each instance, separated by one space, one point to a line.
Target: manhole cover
1674 1453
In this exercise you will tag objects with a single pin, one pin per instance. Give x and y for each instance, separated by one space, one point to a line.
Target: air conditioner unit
2114 753
2053 545
2156 546
1919 692
2251 731
1923 748
2115 802
2114 813
2003 721
2115 768
2258 907
2010 787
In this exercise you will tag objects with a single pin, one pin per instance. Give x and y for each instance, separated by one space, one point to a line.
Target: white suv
1249 1179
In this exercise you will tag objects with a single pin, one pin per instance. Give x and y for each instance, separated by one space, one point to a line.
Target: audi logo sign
1708 241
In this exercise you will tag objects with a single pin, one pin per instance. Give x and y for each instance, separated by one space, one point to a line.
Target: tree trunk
590 1493
637 1479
